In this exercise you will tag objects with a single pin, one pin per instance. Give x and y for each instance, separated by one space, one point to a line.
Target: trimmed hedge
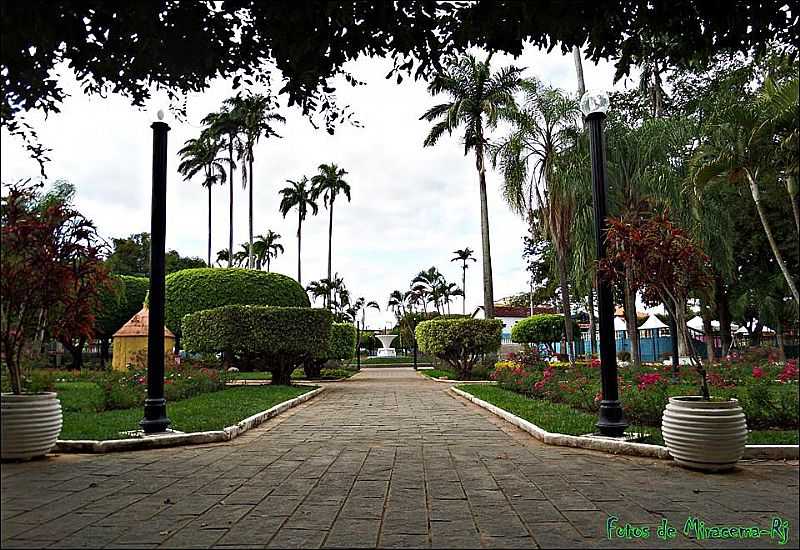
279 338
343 342
539 329
459 342
191 290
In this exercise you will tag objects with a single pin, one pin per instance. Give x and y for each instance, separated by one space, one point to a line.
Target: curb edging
771 452
193 438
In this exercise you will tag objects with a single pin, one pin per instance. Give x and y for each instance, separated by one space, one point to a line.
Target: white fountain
386 341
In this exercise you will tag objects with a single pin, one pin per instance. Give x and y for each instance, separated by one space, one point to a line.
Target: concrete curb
173 440
446 381
769 452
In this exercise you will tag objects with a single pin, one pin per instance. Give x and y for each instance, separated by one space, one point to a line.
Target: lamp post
155 406
611 421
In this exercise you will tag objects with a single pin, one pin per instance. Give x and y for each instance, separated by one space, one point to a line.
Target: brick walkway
386 459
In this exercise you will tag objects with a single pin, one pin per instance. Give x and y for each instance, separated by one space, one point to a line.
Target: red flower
758 372
649 379
140 380
789 371
595 363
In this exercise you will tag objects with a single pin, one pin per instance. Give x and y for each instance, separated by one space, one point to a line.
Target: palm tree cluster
428 292
676 150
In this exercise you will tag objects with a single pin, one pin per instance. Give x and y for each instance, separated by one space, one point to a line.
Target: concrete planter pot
704 435
31 424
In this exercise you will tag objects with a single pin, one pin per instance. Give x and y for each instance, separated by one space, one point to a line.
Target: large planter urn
31 424
704 435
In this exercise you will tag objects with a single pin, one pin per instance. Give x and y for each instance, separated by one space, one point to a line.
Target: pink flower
649 379
758 372
595 364
789 371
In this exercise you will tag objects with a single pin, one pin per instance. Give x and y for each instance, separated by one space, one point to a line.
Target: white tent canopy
696 323
742 330
653 323
619 324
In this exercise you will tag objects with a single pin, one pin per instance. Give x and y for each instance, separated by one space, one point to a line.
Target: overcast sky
411 206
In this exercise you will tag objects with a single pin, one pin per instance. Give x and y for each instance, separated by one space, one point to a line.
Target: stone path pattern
386 459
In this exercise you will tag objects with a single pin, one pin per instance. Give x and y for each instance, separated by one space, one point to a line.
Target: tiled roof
137 326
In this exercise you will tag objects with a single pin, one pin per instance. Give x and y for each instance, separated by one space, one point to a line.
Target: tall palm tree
449 291
396 303
200 154
255 113
463 255
298 195
476 98
240 256
225 126
223 257
742 148
266 248
544 126
328 184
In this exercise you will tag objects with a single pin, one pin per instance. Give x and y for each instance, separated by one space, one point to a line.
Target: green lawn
209 411
298 374
560 418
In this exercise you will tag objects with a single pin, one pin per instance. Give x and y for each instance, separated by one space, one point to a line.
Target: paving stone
386 458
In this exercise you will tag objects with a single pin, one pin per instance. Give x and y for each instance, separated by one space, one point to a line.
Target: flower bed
767 390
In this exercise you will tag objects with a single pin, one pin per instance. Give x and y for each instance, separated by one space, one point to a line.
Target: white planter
704 435
30 424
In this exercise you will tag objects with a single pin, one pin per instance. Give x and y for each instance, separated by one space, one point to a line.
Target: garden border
177 439
770 452
446 380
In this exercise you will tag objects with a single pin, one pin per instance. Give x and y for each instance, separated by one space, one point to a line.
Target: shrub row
278 338
459 342
540 329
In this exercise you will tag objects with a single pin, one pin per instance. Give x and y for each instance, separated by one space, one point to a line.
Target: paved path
385 459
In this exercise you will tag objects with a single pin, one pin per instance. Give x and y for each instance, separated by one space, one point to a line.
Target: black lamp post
155 406
611 421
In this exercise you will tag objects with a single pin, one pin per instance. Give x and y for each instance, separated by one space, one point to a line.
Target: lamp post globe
611 419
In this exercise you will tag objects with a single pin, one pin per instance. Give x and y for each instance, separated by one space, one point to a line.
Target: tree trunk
209 226
464 289
75 351
576 55
330 246
723 314
488 290
773 245
104 346
592 323
632 323
566 308
230 204
250 216
680 321
755 334
299 244
794 196
708 331
779 340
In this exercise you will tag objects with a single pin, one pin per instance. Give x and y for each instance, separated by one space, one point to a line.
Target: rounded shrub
279 338
191 290
539 329
459 342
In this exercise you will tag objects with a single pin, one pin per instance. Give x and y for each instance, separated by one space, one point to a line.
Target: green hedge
192 290
540 329
343 341
459 342
279 338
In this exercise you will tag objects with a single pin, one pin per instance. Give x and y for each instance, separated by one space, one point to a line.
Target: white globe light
594 101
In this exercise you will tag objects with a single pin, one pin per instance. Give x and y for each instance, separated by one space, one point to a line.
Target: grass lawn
450 375
209 411
560 418
298 374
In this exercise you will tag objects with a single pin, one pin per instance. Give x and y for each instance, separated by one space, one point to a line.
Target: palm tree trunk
250 215
299 243
576 55
723 314
775 251
684 341
209 226
631 320
794 196
566 306
230 205
708 329
592 323
330 243
488 290
464 288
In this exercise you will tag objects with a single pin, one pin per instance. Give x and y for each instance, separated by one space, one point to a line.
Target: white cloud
411 206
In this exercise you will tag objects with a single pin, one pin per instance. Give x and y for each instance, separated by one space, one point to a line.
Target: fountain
386 341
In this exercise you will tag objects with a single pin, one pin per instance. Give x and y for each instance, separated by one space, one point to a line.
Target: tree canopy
126 48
